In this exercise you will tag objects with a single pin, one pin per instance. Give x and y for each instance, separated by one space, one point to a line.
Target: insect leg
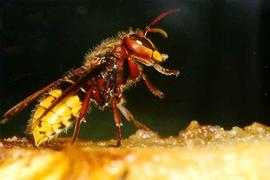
168 72
131 118
162 70
81 115
118 123
154 90
133 68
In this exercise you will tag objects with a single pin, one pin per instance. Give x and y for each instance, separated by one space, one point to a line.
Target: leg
133 68
152 87
118 123
130 117
162 70
168 72
82 115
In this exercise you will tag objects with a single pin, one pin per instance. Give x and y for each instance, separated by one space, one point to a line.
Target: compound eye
143 41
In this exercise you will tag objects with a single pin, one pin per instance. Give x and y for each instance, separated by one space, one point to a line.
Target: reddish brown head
142 46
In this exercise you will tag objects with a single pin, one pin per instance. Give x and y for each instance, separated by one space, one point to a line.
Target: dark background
221 48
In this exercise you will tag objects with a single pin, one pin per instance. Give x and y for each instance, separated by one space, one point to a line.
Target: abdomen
46 124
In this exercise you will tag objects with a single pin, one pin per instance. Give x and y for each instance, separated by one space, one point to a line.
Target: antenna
158 18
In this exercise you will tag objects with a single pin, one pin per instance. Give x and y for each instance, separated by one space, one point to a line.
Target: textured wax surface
199 152
220 47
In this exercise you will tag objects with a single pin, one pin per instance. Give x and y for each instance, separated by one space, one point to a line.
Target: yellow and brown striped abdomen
46 127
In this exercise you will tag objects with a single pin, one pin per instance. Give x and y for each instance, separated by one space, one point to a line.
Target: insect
110 68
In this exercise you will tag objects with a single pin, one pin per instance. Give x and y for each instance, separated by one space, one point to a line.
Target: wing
57 109
79 72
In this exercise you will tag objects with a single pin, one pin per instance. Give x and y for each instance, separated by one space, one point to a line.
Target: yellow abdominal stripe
57 119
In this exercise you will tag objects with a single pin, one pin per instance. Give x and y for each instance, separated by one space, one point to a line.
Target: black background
221 48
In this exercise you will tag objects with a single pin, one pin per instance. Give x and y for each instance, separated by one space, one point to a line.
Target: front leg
168 72
135 72
162 70
133 68
152 88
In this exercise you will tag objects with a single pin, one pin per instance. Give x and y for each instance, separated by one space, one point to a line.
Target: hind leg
131 118
118 123
82 114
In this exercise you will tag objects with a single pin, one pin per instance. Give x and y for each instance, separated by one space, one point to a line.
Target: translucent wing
21 105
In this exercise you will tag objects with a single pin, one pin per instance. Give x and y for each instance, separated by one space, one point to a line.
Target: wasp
108 70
